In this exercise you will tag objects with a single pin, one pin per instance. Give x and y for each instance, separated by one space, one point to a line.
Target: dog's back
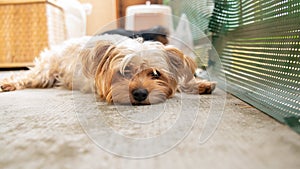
157 33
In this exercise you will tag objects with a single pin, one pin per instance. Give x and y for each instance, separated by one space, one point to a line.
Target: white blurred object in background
75 17
141 17
182 38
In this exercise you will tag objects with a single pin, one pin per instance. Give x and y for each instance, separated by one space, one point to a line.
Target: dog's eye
127 73
155 74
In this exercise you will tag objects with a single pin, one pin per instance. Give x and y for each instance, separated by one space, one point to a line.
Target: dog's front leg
183 68
197 86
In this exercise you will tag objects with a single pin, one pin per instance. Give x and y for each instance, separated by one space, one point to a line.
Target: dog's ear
91 57
181 65
184 68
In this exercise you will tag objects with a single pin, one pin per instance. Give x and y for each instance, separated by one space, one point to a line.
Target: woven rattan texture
259 46
27 28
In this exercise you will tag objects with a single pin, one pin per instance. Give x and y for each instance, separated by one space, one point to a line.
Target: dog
118 69
157 33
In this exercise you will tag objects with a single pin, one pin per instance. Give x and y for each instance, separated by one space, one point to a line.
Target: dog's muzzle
140 94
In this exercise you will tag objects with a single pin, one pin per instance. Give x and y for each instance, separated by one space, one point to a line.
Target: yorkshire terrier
118 69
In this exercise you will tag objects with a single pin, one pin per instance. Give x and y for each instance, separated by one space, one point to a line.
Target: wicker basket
26 28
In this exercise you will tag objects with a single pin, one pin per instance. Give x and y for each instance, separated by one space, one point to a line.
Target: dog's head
139 73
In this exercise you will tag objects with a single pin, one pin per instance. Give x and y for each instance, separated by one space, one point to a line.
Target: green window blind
258 42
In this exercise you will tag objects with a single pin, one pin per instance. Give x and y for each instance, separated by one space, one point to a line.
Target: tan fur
114 67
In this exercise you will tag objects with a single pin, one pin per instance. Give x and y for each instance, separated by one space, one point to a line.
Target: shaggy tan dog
117 68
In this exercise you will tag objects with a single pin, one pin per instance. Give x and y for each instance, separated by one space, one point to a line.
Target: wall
103 13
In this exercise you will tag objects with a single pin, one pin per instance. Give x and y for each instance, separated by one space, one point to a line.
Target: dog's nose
140 94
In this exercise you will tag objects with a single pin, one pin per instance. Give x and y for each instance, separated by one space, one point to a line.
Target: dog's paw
207 87
7 87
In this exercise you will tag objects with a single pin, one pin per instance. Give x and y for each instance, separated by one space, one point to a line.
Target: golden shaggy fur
117 68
